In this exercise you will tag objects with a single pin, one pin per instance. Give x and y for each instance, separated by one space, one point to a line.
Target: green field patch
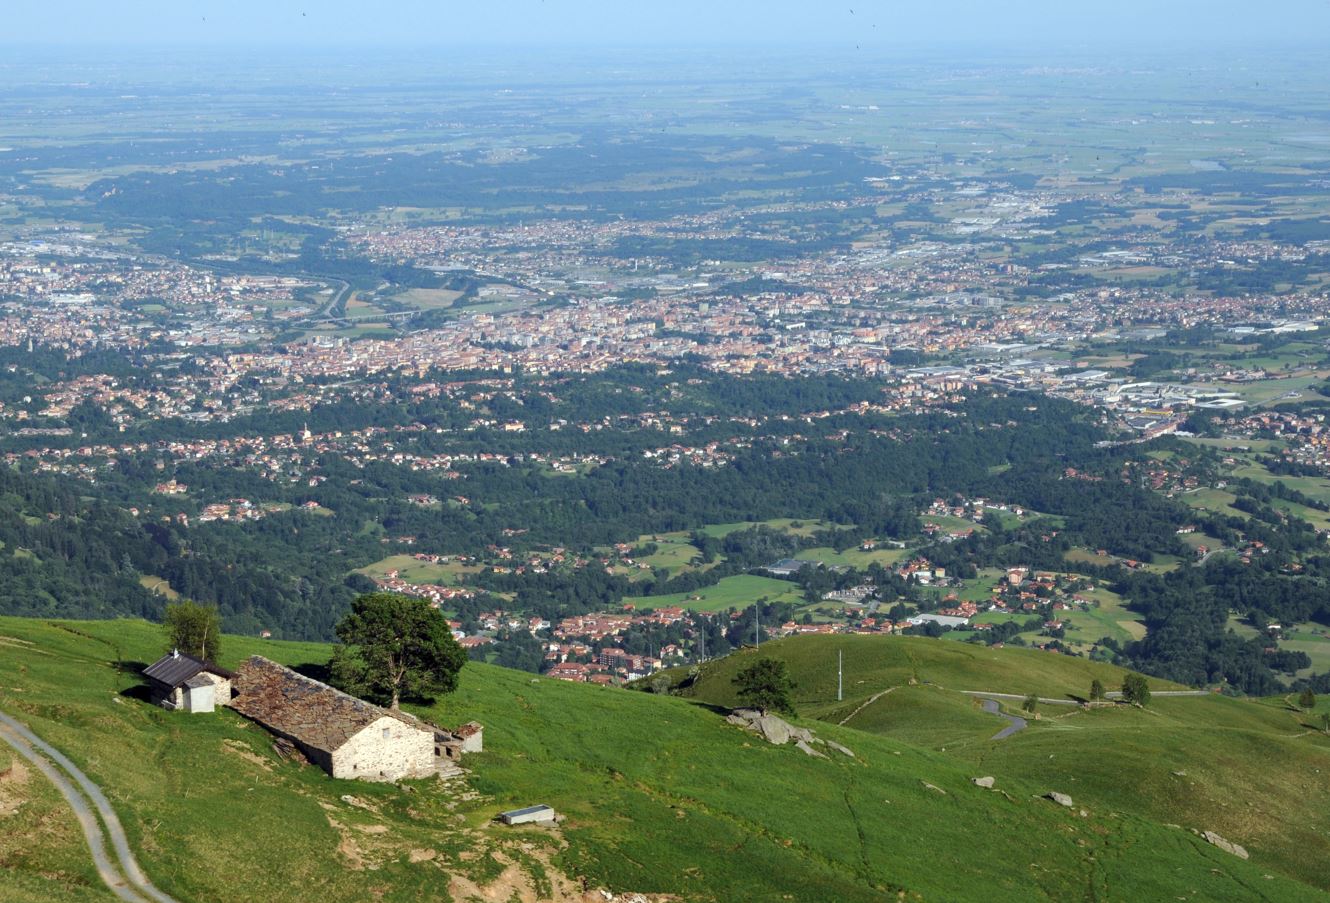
1274 391
427 298
1084 628
414 571
1217 501
981 588
1314 487
1085 556
158 585
731 592
1134 629
951 524
674 557
1241 627
791 525
1259 445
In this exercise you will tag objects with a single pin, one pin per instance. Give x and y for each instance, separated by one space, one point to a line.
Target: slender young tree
193 629
1096 690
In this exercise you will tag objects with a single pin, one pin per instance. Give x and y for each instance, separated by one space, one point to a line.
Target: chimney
175 653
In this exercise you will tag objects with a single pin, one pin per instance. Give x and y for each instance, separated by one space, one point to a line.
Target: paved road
137 889
1017 724
1111 694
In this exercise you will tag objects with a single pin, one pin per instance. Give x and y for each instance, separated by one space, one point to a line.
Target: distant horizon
589 24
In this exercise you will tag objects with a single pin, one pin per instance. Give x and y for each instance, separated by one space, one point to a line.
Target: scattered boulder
773 728
840 749
1060 798
984 782
933 787
1226 845
808 750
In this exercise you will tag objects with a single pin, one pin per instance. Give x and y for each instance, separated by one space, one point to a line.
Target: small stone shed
345 736
183 682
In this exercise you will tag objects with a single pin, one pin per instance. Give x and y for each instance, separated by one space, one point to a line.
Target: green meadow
730 592
658 795
1251 770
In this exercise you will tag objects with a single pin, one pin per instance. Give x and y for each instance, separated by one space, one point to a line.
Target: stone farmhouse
179 681
345 736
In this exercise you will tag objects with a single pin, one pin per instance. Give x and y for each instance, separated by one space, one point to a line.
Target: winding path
137 889
1111 694
865 704
1017 724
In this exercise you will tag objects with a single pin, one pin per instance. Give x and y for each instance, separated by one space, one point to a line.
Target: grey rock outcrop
845 751
1226 845
778 731
1060 798
985 782
808 750
773 728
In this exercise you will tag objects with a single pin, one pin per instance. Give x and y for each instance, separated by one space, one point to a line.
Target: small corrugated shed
175 668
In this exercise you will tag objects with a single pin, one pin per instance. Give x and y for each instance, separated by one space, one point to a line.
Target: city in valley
996 381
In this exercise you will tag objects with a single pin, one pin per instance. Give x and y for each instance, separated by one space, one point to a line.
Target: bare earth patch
235 747
12 780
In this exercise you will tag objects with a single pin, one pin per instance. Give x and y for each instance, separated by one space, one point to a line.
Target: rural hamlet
345 736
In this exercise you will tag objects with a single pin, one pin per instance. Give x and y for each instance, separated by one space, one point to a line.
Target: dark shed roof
174 668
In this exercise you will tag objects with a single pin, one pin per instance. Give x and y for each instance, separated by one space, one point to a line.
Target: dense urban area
608 437
663 475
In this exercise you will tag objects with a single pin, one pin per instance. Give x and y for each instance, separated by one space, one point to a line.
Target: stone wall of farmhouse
221 687
386 750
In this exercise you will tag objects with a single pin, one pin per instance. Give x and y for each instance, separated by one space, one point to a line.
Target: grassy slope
42 852
1245 765
660 796
875 663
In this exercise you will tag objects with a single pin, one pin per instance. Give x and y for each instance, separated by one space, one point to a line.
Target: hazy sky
619 22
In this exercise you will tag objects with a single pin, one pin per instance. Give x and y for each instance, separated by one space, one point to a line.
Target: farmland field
730 592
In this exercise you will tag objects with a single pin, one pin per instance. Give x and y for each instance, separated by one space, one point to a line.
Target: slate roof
175 668
309 712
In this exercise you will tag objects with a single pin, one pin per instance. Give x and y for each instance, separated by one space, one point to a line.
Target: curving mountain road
125 879
1017 724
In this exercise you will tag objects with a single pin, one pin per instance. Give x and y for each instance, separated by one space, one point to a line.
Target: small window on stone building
385 733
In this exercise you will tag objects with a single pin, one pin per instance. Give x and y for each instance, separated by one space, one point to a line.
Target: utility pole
840 669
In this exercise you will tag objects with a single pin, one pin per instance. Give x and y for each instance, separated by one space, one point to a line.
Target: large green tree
194 629
394 646
766 685
1136 689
